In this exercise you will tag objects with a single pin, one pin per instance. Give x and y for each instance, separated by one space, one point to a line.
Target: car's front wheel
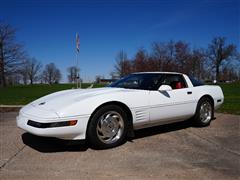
107 127
204 112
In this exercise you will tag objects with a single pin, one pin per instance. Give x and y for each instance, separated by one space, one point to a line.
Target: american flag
77 43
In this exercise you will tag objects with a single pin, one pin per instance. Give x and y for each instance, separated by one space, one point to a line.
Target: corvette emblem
42 103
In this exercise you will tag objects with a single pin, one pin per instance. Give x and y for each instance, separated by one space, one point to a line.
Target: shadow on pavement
48 145
141 133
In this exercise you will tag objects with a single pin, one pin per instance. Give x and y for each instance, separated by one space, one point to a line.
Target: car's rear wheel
204 112
107 127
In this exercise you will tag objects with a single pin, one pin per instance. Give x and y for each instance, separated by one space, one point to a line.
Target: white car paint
147 107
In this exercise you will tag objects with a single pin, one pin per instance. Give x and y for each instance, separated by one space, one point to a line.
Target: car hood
57 101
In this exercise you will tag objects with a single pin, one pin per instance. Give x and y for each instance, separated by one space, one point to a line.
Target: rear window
195 82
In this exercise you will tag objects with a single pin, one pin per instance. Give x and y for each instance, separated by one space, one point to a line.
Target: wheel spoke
205 112
108 116
110 127
99 128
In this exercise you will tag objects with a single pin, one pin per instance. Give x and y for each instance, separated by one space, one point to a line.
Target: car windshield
139 81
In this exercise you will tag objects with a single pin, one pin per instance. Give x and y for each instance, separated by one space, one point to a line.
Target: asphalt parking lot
176 151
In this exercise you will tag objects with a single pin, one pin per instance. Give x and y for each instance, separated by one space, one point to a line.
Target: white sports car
105 116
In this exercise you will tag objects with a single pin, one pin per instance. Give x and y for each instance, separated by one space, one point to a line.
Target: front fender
132 99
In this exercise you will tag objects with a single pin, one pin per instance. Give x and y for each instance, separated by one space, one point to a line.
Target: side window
195 82
176 81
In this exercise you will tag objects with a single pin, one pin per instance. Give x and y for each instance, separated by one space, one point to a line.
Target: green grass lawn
231 98
23 94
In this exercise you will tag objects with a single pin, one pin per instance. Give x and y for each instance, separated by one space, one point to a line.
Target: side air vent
141 115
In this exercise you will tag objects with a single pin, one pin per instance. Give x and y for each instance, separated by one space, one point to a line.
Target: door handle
189 92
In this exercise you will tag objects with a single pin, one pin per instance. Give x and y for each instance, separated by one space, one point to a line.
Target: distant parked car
104 116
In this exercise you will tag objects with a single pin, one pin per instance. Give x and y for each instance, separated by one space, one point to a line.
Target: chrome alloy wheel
110 127
206 112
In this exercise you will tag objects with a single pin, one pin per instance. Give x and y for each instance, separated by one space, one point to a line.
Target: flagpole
78 82
77 73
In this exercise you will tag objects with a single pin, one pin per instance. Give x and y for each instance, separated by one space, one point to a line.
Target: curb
10 108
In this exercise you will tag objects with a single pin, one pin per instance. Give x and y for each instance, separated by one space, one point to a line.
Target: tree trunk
2 73
217 73
25 81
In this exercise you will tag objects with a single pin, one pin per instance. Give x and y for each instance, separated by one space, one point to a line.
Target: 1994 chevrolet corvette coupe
105 116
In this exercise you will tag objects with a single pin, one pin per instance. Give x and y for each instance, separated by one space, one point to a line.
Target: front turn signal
72 122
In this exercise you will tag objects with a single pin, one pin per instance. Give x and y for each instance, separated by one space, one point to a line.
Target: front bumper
77 131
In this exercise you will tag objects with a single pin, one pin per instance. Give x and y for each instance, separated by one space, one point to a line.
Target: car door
176 104
137 97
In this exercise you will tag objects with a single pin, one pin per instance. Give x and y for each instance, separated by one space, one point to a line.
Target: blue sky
47 28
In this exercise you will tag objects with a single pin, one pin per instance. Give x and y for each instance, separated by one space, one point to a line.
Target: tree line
219 61
17 67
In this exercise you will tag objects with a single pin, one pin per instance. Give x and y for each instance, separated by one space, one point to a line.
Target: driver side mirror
163 88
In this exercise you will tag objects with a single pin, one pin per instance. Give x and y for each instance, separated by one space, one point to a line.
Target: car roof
157 72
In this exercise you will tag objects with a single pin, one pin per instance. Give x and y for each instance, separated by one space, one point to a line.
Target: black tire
207 115
101 122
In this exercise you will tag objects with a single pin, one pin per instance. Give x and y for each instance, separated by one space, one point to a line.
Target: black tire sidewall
92 137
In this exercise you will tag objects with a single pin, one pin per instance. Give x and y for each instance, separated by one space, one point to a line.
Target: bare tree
159 54
228 74
182 55
33 69
30 70
123 65
11 53
196 63
140 62
219 53
23 72
72 74
164 54
51 74
179 56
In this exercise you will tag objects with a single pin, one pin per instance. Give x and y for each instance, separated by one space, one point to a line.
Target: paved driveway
175 151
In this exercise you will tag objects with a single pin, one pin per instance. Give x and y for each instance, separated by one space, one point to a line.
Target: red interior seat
177 85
